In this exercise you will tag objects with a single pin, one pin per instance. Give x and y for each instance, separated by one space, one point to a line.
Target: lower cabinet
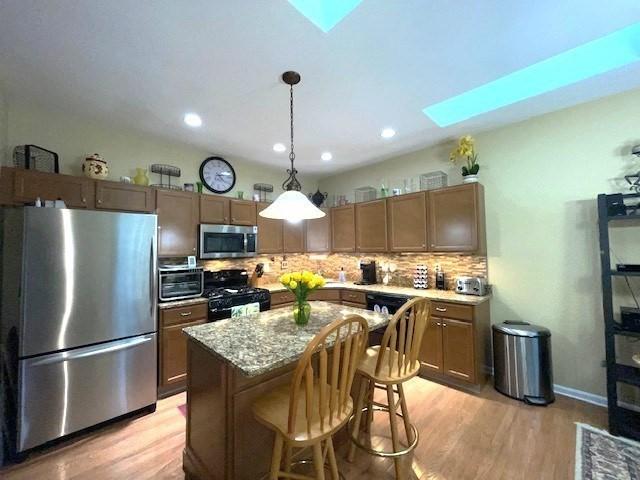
173 346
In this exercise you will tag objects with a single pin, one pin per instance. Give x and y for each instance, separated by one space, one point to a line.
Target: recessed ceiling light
326 156
279 147
387 132
192 119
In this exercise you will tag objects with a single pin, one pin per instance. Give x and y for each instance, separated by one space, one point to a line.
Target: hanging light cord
292 182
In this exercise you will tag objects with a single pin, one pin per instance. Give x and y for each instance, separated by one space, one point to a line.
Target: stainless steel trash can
522 367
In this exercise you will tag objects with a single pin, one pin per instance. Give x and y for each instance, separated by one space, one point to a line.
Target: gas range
226 289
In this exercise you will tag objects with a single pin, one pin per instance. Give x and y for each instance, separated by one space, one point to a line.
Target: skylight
604 54
325 14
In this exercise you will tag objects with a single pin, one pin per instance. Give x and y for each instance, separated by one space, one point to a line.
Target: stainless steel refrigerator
77 320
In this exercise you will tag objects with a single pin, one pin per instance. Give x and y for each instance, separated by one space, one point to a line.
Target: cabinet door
293 237
371 226
454 219
243 212
343 229
7 175
408 222
214 209
124 197
76 192
173 353
319 233
178 214
269 233
457 347
430 355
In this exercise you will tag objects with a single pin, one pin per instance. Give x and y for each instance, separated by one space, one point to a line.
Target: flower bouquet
466 149
300 284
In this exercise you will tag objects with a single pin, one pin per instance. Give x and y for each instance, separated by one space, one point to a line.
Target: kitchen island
230 364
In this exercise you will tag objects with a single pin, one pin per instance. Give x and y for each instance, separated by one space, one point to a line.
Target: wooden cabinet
214 209
371 226
318 235
270 239
293 236
343 229
76 192
178 215
456 219
7 176
407 224
282 299
243 212
173 345
326 295
456 343
354 298
124 197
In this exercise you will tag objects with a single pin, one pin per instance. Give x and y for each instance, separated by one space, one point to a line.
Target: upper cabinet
76 192
343 229
407 222
243 212
293 237
178 215
371 226
270 239
124 197
319 233
456 219
214 209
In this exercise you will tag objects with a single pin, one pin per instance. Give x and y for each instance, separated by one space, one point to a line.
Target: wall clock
217 175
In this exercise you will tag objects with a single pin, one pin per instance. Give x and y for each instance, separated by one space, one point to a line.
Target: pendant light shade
292 205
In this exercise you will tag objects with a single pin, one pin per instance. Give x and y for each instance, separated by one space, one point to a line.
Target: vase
94 166
470 179
301 312
141 177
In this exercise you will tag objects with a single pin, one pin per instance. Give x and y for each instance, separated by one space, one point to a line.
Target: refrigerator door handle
90 351
153 288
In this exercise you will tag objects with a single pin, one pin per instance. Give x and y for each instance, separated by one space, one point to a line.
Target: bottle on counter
440 283
342 277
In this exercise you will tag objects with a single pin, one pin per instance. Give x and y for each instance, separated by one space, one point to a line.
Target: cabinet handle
444 324
185 314
440 309
99 201
438 324
84 200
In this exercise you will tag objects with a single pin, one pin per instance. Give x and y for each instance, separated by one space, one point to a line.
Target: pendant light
292 205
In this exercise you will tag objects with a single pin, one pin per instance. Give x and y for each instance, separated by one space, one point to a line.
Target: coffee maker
368 268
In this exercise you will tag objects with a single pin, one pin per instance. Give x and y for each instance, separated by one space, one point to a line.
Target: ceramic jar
94 166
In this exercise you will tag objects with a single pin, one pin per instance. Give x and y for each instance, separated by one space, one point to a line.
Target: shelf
626 422
623 218
628 374
618 330
625 274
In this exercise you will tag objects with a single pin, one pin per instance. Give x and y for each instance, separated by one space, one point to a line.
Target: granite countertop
260 343
182 303
432 294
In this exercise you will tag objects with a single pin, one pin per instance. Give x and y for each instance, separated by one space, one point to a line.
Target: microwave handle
245 242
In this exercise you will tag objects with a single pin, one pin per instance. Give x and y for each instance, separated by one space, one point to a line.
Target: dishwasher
387 303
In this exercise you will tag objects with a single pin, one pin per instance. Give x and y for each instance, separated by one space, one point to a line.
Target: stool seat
272 410
387 375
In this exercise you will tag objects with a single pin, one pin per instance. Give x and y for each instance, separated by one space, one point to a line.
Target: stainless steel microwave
228 241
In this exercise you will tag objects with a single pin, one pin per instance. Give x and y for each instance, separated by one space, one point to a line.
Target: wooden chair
391 364
318 401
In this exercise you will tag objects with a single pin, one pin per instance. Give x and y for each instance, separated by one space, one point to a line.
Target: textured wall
330 265
541 179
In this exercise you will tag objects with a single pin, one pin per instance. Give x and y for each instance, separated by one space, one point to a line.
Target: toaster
471 286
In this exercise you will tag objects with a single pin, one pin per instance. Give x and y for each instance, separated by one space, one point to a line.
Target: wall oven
228 241
180 282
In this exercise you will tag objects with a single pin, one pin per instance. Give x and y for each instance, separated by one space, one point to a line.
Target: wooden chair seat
273 411
388 373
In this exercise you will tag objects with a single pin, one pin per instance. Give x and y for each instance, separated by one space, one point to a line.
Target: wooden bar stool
386 366
318 401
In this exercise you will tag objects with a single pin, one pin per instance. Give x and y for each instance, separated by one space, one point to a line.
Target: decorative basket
433 180
364 194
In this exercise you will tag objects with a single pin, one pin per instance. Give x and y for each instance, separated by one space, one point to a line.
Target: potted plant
301 284
466 150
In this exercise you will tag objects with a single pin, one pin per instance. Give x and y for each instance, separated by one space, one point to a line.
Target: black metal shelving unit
622 421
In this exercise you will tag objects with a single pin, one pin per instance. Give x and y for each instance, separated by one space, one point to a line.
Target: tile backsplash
330 264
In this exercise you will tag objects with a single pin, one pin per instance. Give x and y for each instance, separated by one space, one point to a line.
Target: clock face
217 175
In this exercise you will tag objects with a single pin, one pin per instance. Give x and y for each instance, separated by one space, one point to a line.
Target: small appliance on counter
368 268
471 286
440 280
227 289
178 282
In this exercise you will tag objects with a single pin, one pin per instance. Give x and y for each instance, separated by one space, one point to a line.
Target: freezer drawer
65 392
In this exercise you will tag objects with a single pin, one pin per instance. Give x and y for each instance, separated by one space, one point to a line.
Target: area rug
600 456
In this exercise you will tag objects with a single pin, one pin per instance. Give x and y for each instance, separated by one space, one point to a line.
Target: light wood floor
463 436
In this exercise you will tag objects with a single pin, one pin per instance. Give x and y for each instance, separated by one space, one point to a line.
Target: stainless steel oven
179 282
228 241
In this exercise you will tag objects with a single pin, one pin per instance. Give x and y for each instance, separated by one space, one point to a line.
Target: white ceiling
144 63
